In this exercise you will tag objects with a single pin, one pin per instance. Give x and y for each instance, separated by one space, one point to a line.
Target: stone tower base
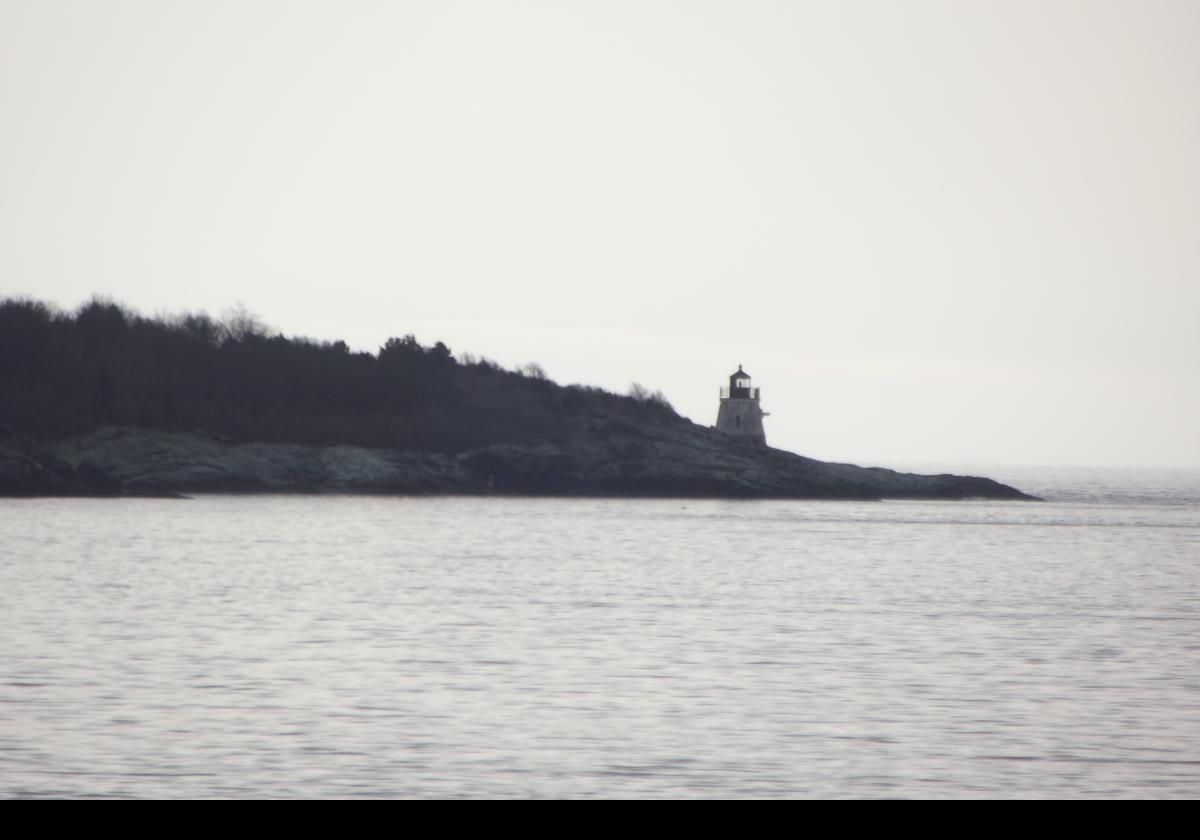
742 418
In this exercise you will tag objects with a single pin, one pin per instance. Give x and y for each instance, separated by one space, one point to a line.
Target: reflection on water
350 646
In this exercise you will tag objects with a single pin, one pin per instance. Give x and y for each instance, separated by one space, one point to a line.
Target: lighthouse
740 414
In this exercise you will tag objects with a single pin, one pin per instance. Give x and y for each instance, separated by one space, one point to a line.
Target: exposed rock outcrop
602 457
27 469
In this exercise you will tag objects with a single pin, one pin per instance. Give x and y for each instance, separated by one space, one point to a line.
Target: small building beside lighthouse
740 414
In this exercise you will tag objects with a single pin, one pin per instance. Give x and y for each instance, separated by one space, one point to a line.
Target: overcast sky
962 232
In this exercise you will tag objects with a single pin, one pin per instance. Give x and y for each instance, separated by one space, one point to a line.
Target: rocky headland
105 402
605 457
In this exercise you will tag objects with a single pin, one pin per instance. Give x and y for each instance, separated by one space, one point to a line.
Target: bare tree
239 323
641 393
533 370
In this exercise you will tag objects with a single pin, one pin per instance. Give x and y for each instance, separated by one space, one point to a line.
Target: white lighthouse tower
740 415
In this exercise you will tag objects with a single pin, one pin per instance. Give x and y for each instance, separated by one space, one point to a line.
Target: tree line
64 373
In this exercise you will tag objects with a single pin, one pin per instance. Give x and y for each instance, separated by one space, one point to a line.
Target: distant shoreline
106 402
685 462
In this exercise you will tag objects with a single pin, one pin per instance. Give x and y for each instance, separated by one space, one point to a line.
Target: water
269 646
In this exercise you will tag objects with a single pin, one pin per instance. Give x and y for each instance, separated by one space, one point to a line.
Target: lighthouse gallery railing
743 393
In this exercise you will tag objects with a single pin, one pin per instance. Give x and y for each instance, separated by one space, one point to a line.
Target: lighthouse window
737 422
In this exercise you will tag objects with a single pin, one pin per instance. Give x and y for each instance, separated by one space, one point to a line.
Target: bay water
355 646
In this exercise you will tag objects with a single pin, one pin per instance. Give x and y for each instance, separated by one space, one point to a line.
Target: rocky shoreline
606 457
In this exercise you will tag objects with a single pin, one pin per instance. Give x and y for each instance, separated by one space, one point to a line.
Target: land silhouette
103 400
